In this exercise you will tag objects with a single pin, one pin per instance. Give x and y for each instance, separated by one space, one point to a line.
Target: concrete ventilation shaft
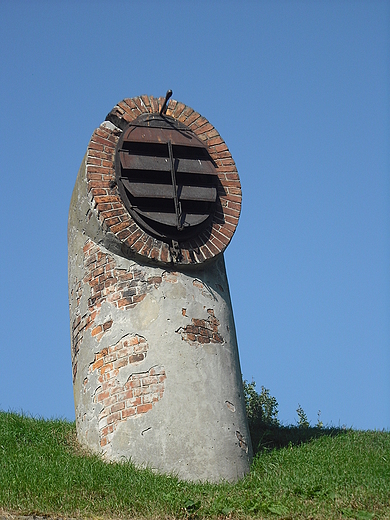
156 371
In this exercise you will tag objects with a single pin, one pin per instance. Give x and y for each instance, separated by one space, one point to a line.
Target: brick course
111 210
202 330
120 287
136 396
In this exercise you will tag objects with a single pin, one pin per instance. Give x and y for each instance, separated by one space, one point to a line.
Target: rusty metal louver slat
166 178
136 162
164 191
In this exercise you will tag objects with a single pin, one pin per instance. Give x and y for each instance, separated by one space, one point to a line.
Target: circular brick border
105 198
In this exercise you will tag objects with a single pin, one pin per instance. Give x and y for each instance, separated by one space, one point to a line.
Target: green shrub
260 408
265 429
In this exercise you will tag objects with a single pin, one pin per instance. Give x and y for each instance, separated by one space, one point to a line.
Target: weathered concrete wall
155 361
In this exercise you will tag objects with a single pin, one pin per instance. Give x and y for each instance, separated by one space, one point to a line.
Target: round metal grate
166 177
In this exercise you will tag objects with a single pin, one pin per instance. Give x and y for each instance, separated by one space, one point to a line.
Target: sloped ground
320 475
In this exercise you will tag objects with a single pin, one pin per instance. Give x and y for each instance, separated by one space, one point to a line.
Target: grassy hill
308 474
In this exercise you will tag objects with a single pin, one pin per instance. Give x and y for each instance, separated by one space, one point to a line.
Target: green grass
308 474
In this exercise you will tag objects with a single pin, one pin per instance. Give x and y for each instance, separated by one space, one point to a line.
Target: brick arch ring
112 213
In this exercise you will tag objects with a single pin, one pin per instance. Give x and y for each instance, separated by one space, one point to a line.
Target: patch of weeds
303 421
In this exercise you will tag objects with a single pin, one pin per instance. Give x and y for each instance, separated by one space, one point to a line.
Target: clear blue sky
299 90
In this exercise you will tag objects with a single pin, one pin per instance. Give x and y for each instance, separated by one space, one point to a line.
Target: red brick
128 412
98 184
136 401
171 107
111 221
128 394
155 280
103 413
203 254
149 380
233 198
97 154
136 358
164 253
95 146
132 384
234 190
110 400
198 323
97 364
87 246
138 298
217 243
138 244
96 330
186 259
102 132
106 367
178 110
107 430
98 177
191 118
211 247
147 246
119 227
212 133
127 105
103 395
223 235
154 104
201 121
143 408
203 332
227 170
204 128
117 407
146 101
121 362
135 340
98 271
215 140
107 324
191 329
105 199
113 418
123 302
139 104
233 212
112 213
155 253
96 139
123 235
93 160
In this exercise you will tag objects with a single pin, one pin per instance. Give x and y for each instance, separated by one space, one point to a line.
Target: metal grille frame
179 241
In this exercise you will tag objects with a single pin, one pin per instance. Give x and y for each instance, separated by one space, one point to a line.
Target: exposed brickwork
120 287
202 331
111 210
131 399
241 441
